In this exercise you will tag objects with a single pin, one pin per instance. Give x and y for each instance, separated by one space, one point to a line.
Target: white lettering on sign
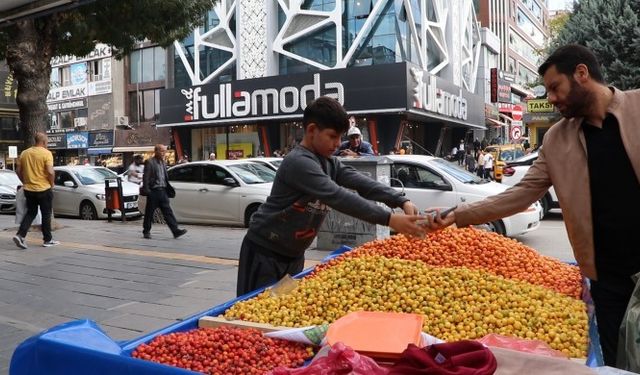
269 101
99 52
67 93
430 98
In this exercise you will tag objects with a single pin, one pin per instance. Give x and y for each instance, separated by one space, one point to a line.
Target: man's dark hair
566 58
326 113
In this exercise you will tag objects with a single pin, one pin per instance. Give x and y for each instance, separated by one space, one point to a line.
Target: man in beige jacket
592 158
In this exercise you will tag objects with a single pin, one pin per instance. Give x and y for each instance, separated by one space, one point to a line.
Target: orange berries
476 249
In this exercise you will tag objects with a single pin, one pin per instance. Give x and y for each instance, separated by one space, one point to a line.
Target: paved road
107 272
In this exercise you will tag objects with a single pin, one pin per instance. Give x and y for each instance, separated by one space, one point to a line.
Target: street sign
13 152
516 133
516 123
516 113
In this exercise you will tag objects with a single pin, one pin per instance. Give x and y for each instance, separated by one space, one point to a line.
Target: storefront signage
501 86
9 90
260 102
56 141
64 106
77 140
540 106
428 96
99 88
101 139
67 93
99 52
371 89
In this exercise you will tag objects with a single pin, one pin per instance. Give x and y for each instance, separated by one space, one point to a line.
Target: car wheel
88 211
158 217
494 226
247 214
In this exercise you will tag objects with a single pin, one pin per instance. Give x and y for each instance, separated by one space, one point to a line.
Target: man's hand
406 224
348 152
409 208
435 222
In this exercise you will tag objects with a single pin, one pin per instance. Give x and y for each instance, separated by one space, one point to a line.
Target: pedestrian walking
488 165
308 182
480 164
476 148
470 162
158 191
598 137
460 153
136 170
35 170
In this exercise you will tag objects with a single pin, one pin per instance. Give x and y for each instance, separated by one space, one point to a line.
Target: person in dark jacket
158 190
308 182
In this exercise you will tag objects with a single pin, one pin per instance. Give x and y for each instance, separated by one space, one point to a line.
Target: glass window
144 105
147 65
95 70
251 173
214 175
523 48
187 173
525 23
412 176
319 46
458 173
93 176
61 177
66 75
321 5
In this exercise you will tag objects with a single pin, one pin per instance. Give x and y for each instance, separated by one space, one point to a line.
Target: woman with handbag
158 190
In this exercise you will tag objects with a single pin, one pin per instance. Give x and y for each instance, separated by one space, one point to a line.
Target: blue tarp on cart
81 347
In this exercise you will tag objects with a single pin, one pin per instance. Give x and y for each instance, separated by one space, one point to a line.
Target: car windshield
92 176
533 155
9 179
276 163
253 173
458 173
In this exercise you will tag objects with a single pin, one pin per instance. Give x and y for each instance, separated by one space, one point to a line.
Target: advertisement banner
101 139
78 74
99 52
68 105
73 92
56 141
9 90
77 140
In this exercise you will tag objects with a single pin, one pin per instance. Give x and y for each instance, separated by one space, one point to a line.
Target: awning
496 122
99 151
133 149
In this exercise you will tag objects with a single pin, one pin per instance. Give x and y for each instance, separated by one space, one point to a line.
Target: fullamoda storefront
394 105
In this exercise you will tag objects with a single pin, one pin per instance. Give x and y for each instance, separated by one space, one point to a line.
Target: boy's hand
406 224
410 208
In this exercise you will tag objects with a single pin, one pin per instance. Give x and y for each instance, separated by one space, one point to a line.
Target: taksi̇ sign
540 106
230 103
427 96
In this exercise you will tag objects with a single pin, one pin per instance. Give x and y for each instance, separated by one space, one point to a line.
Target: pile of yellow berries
457 303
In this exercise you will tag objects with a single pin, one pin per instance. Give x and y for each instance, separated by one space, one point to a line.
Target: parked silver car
79 191
9 183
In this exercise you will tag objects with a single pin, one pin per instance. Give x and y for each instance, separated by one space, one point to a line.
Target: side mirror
228 181
442 185
69 184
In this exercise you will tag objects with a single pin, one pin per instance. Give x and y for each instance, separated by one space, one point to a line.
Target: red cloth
455 358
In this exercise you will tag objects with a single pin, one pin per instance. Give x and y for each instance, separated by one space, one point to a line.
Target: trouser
158 198
35 199
610 297
259 267
487 173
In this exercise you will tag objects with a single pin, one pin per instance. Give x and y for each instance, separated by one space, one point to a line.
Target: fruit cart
81 347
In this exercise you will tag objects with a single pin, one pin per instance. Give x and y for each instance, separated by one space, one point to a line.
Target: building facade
412 73
9 117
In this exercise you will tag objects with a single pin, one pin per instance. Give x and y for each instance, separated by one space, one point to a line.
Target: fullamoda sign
260 102
427 96
386 88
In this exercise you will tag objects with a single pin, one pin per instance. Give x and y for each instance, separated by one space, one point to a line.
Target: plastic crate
82 347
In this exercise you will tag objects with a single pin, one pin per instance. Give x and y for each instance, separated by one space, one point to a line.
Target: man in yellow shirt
35 169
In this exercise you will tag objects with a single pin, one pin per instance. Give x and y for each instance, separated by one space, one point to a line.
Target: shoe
20 241
51 243
146 235
179 233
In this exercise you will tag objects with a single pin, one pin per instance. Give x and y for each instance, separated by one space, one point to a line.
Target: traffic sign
516 113
516 133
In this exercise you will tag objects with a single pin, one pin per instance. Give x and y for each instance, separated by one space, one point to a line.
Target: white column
252 35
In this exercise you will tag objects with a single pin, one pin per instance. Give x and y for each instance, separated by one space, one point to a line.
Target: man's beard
578 102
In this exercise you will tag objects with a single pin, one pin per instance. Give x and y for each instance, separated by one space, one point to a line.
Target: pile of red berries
224 350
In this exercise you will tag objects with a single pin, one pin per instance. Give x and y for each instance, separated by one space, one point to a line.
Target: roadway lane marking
142 253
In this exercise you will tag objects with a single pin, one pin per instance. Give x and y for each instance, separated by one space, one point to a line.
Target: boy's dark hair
566 58
327 113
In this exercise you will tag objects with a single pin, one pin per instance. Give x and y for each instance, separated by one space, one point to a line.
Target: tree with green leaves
611 28
29 45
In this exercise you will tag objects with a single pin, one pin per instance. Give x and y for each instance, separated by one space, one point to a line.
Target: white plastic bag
21 209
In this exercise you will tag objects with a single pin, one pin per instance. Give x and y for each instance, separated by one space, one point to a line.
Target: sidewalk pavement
108 273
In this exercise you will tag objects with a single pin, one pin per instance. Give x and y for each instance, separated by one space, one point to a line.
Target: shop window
147 65
67 120
9 128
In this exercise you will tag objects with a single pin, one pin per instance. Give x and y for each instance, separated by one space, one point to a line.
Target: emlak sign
369 89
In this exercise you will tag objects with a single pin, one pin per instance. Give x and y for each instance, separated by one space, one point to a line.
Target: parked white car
271 162
515 170
79 191
219 191
435 182
9 183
